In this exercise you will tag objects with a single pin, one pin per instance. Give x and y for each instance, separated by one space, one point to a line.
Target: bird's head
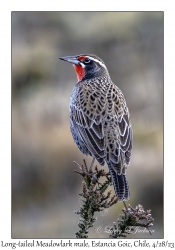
87 66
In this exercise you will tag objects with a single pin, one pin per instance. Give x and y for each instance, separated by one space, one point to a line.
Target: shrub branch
96 199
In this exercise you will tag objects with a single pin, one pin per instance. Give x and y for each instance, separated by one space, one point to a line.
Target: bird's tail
120 185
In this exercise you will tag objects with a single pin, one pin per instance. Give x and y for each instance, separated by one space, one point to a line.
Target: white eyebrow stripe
96 60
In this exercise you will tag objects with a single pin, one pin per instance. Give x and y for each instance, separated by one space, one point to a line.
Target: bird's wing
125 132
90 131
118 132
119 142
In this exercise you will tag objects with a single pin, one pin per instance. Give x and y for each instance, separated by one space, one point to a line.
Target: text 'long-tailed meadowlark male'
100 120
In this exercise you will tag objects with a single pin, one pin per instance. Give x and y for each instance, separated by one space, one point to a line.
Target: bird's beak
71 59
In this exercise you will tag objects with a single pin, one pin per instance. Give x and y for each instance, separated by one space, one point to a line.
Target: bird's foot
84 170
126 208
90 168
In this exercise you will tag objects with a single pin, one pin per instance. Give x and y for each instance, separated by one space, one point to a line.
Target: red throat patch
80 72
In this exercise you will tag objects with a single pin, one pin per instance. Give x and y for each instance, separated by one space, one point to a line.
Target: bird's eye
86 60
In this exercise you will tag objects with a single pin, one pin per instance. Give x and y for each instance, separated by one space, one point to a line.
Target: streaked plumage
100 120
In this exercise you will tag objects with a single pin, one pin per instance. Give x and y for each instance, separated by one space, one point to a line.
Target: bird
100 120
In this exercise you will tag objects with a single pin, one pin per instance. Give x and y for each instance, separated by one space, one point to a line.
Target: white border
5 94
